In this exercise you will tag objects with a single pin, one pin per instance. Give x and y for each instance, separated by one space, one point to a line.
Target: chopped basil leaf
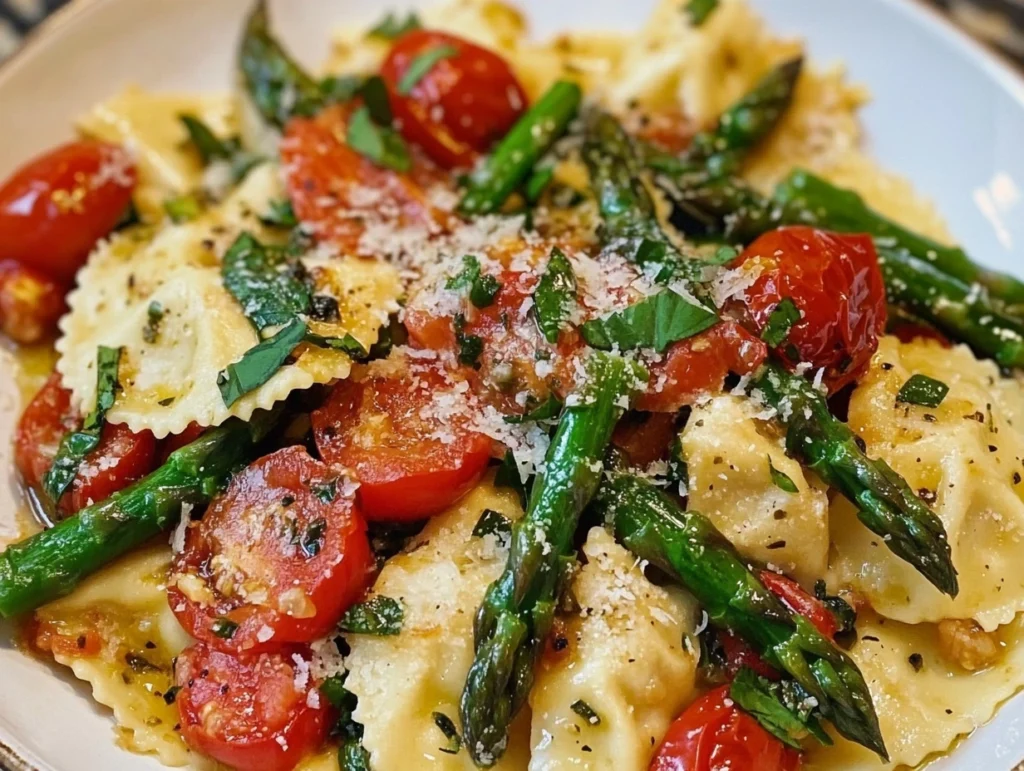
481 287
484 290
269 292
259 363
469 272
700 10
555 296
334 690
785 315
281 215
493 522
325 492
209 146
722 256
447 727
508 475
423 64
313 538
656 322
341 88
586 712
392 26
378 615
470 346
352 756
549 409
783 709
154 315
183 208
923 391
374 92
381 145
75 445
781 480
224 628
346 344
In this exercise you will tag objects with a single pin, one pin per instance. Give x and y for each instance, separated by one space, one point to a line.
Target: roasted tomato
406 441
30 303
645 438
715 735
338 192
57 206
465 102
834 281
276 559
699 365
257 711
122 457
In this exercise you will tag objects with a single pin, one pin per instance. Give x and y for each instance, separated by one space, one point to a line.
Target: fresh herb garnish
447 727
656 322
492 522
480 287
347 344
75 445
375 96
224 628
392 26
378 615
678 471
154 316
782 319
422 64
183 208
923 391
700 10
341 88
586 712
259 363
470 346
780 479
325 492
784 709
312 540
281 214
380 144
260 280
549 409
352 756
555 296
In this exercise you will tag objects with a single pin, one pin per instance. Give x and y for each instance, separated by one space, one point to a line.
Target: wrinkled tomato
31 303
407 441
121 458
715 735
458 108
836 284
58 205
255 712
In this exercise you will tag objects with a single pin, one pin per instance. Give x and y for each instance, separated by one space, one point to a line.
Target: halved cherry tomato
276 559
30 303
411 459
834 281
338 192
645 438
256 712
699 365
715 735
57 206
121 458
461 105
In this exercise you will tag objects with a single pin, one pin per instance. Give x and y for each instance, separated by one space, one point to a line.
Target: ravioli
631 658
967 456
170 379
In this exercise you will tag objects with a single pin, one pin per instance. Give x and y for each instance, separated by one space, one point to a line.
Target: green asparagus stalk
529 139
52 563
885 503
516 613
688 547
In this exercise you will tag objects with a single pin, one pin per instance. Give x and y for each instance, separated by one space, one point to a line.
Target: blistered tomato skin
463 105
31 303
835 282
56 207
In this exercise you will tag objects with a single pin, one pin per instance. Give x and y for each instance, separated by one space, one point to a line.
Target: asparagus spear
885 503
688 547
51 564
516 613
513 160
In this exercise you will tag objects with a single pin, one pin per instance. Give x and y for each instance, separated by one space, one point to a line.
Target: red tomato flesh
121 458
277 558
56 207
835 282
31 303
715 735
410 463
257 712
461 106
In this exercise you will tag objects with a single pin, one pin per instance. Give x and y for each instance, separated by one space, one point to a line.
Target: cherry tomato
30 303
645 438
58 205
909 331
834 281
715 735
670 130
738 654
121 458
338 192
462 105
700 364
257 712
799 601
410 463
277 558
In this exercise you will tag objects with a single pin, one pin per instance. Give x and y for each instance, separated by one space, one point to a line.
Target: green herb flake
281 215
549 409
782 319
781 480
378 615
508 476
374 93
264 283
381 145
154 315
655 322
393 26
259 363
700 10
451 733
347 344
470 346
312 540
483 290
325 492
555 296
493 522
183 208
678 470
923 391
224 628
586 712
341 88
423 64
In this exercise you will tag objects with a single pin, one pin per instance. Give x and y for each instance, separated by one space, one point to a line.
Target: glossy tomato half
276 559
466 101
57 206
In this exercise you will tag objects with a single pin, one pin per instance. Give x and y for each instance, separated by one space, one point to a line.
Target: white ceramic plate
945 114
